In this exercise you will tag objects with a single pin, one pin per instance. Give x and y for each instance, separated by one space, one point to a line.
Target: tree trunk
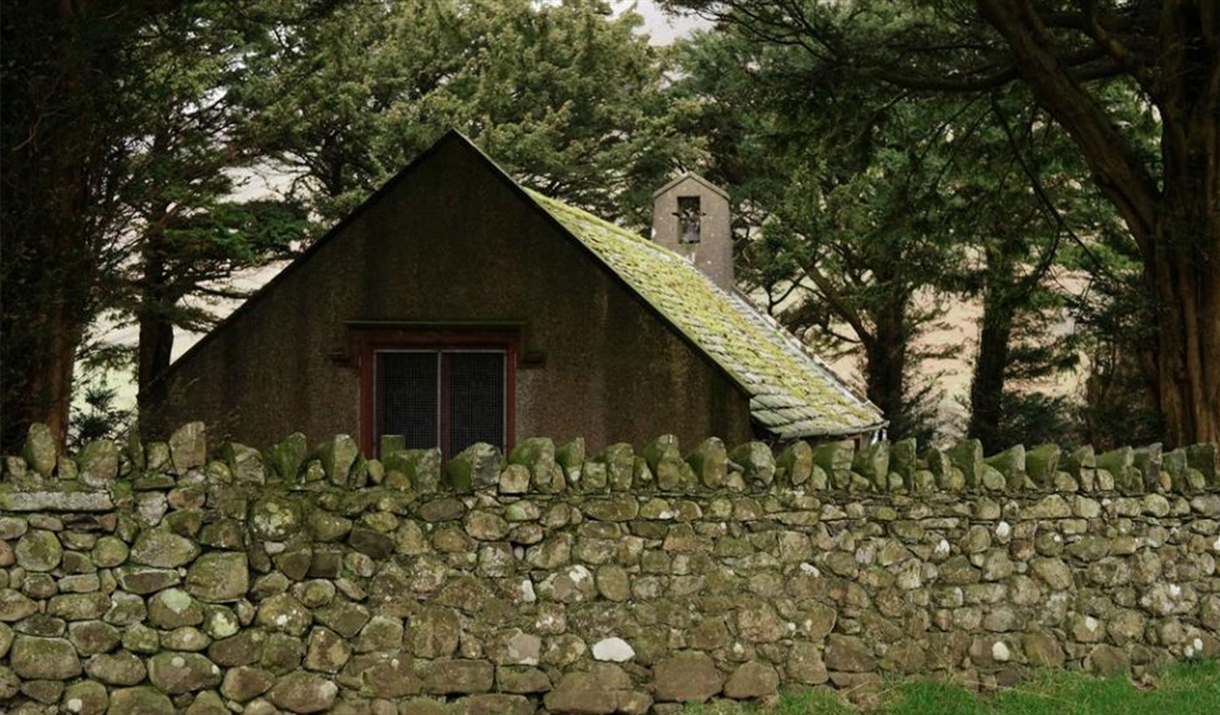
886 356
43 297
1184 279
49 268
1183 269
987 385
38 384
156 333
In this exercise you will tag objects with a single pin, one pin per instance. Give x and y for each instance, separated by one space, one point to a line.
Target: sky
663 28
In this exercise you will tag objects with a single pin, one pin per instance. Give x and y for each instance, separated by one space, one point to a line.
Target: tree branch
839 305
1117 49
1118 172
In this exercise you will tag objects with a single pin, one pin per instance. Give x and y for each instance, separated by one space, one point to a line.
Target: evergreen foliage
1085 66
566 97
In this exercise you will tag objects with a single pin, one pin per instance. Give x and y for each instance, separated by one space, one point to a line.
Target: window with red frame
447 398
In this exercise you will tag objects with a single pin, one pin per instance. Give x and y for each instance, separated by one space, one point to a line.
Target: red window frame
375 341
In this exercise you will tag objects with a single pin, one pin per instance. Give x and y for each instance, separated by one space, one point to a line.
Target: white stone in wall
222 624
152 506
523 649
614 650
909 576
999 651
176 599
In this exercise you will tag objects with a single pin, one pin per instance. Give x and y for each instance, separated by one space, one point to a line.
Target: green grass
1183 689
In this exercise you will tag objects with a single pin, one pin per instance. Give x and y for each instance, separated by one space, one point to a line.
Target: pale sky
663 28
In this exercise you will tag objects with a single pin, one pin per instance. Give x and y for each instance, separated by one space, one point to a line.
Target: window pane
476 399
407 397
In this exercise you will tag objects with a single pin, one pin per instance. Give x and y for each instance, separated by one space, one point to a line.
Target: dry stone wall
160 578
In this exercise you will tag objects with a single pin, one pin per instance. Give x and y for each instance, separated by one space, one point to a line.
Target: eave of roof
792 393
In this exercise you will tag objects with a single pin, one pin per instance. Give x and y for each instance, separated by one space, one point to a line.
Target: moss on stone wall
620 582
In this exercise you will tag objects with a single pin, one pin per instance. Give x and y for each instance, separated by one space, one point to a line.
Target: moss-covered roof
792 393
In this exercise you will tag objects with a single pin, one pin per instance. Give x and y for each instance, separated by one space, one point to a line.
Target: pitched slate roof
792 393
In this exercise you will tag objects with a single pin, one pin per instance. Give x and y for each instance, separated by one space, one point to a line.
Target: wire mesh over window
475 399
442 398
407 397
